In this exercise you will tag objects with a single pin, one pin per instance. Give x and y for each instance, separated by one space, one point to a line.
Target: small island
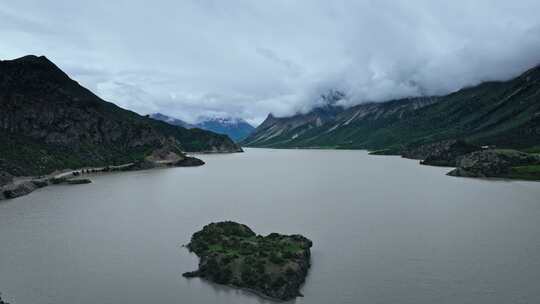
273 266
2 301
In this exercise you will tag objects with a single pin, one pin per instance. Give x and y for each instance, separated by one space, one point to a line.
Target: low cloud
246 58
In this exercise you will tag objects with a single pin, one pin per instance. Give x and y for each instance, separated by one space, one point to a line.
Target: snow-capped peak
224 120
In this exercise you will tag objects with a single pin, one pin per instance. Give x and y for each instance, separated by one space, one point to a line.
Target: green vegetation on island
274 266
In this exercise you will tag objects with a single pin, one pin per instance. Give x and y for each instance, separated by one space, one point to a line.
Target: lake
385 230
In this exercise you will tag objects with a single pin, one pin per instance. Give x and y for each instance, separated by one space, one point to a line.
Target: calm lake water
385 230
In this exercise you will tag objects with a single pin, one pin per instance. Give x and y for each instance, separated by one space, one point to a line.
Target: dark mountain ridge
331 126
49 122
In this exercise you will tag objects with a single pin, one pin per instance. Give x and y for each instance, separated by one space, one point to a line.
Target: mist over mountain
247 59
395 158
502 114
171 120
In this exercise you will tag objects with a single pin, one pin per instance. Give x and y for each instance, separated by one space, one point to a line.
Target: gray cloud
290 67
247 58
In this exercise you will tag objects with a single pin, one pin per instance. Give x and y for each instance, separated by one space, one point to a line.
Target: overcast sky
249 58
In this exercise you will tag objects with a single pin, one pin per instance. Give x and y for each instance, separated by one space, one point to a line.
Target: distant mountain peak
234 127
229 120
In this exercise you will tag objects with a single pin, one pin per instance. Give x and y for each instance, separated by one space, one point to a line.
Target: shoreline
217 152
420 161
251 291
24 185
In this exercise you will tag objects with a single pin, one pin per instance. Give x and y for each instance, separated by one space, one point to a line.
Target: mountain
171 120
236 128
332 126
502 113
49 122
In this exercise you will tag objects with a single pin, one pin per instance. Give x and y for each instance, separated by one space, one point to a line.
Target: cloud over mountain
248 58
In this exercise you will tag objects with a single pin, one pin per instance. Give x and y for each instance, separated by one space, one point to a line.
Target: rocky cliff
49 122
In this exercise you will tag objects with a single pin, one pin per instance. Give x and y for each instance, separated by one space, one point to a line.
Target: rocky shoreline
274 266
499 163
469 160
13 187
446 153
